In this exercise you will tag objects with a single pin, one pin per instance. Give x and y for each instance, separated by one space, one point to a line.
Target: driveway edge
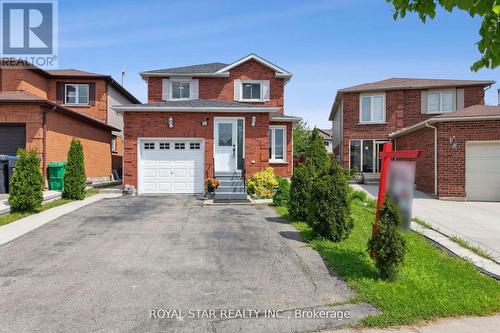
25 225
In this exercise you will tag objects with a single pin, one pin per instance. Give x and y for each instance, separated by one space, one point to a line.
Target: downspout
435 159
44 142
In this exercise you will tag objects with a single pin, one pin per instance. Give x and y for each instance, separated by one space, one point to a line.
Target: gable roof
475 112
215 69
398 83
325 133
23 97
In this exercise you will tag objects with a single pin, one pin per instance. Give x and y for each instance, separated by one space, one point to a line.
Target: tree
74 176
388 244
281 196
316 151
26 184
489 10
328 206
300 190
300 136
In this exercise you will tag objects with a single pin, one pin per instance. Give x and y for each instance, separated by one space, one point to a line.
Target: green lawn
8 218
430 285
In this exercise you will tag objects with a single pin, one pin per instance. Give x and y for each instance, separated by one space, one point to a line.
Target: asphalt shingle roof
200 103
410 83
473 111
200 69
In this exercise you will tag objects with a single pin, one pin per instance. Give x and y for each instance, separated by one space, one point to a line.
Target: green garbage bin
56 175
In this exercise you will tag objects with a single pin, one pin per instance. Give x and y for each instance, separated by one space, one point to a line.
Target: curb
25 225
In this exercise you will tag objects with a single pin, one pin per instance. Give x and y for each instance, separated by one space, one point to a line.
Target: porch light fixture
170 122
204 122
254 121
453 142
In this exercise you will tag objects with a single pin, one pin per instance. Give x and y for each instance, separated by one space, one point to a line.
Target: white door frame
235 119
140 140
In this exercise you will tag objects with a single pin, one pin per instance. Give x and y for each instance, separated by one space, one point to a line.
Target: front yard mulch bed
430 285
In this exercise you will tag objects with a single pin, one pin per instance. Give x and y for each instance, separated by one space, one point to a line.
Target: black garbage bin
7 166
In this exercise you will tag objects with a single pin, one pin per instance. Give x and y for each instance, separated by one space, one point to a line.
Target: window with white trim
113 143
76 94
164 145
277 143
194 145
372 109
251 91
181 90
439 101
180 145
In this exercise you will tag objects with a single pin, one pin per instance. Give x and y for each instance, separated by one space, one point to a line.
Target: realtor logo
29 28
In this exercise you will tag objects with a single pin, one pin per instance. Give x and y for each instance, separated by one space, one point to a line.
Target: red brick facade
403 109
451 159
188 124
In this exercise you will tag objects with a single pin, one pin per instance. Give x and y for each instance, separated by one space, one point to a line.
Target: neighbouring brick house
227 118
366 116
44 110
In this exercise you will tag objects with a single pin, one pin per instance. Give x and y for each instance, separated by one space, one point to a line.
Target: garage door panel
176 170
12 138
482 175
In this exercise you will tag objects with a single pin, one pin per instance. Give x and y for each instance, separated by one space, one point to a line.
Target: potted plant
211 184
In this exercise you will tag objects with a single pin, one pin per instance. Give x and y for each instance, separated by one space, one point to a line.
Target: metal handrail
243 172
213 167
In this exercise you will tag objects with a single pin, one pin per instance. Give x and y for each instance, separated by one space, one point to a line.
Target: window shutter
165 92
265 90
237 87
195 84
92 93
460 99
423 101
59 92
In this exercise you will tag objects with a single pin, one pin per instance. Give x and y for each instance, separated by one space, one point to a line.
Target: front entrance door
225 145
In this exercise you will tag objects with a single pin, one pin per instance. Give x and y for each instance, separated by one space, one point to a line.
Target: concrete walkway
21 227
475 222
452 325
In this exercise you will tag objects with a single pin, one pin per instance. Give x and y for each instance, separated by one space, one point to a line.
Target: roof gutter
440 120
139 108
166 74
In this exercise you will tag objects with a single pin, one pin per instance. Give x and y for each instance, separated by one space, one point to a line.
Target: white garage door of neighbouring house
482 171
171 166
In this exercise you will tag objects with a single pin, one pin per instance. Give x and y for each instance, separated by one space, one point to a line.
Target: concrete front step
231 182
230 196
230 189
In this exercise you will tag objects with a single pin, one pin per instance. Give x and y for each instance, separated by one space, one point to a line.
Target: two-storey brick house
205 120
407 112
44 110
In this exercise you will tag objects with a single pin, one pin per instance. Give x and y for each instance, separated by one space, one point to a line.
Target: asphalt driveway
107 266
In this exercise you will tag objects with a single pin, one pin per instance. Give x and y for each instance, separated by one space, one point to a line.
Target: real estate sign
400 180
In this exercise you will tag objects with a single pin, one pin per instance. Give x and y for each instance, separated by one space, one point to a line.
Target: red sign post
387 155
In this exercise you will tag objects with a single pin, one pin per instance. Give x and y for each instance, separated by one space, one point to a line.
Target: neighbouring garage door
12 137
482 171
171 166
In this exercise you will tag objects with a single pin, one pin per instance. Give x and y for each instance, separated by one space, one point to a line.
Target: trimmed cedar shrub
328 207
26 184
74 176
300 190
262 184
388 245
281 196
316 151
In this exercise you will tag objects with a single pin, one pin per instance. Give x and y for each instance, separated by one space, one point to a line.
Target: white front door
225 145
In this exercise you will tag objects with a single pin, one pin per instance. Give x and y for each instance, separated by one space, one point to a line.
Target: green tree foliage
328 207
74 176
262 184
388 244
26 184
281 196
488 10
300 190
316 151
300 136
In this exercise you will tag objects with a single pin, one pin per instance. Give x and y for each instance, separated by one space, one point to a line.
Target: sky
327 45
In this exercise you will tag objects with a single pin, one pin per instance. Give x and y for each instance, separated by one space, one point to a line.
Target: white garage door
482 171
171 166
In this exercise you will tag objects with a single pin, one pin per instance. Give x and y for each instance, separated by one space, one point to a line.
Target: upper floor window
372 109
181 90
251 91
76 94
439 101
